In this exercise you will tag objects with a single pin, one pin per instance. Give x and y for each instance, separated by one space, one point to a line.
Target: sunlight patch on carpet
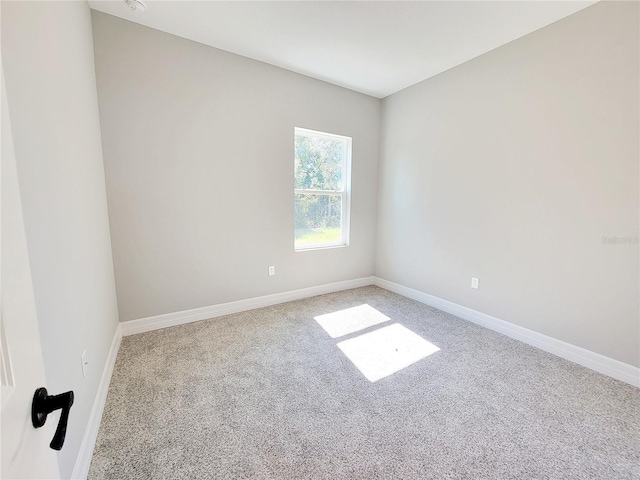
350 320
386 351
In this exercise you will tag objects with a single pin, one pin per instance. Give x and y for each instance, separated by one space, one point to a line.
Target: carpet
270 393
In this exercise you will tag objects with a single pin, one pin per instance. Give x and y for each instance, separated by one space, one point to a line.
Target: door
25 451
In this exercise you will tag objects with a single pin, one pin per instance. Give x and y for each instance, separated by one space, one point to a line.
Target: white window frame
345 193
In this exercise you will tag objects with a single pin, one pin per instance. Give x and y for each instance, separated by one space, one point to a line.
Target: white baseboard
83 461
594 361
156 322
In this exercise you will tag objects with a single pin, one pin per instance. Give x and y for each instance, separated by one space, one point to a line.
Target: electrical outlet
272 270
475 283
85 363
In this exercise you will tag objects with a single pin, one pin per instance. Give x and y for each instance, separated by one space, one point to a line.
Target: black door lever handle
44 404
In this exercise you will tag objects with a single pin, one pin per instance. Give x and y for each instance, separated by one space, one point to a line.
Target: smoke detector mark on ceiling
136 5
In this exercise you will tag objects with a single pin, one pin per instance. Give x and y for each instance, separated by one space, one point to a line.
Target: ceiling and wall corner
199 172
376 48
521 168
203 104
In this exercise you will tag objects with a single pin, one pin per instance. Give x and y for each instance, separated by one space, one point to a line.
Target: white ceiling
373 47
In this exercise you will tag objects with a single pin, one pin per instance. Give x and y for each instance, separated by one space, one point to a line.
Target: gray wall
512 168
50 81
198 152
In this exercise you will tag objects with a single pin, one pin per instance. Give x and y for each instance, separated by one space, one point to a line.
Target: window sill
319 247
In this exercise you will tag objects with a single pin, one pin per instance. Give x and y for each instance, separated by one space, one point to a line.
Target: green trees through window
322 164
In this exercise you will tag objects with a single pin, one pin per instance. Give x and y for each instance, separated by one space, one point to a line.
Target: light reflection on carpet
350 320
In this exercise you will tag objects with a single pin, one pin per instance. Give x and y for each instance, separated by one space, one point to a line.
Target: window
322 184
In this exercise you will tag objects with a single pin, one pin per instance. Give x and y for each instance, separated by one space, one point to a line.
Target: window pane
318 162
318 219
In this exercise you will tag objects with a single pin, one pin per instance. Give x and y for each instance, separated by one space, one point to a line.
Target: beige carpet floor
270 393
